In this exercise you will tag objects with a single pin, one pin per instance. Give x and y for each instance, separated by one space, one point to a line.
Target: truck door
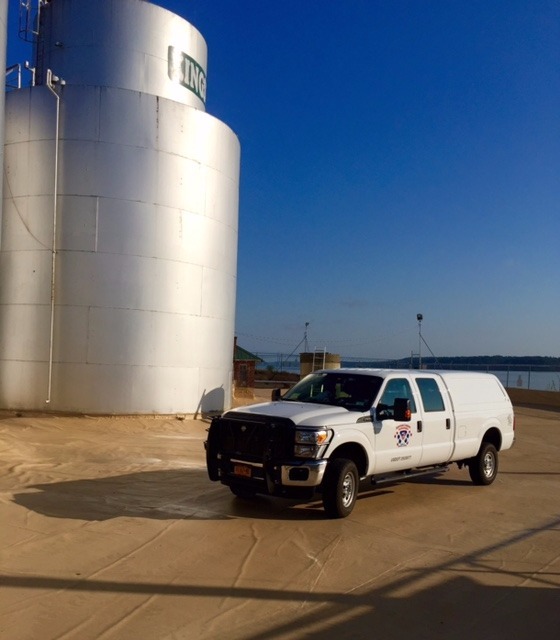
438 427
397 444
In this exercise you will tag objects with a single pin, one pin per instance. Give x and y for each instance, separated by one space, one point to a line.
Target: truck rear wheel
340 488
483 468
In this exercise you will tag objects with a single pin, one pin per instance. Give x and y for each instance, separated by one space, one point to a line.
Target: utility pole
419 317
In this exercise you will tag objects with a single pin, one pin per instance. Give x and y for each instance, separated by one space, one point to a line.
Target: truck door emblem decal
403 434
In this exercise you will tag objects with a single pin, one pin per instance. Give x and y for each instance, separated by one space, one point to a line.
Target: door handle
419 426
448 423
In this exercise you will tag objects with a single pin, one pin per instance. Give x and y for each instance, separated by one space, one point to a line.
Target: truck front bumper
288 478
306 474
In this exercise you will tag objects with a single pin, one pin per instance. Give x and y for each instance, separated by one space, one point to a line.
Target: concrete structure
119 234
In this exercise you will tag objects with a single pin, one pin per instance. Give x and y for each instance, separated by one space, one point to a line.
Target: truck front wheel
340 488
483 468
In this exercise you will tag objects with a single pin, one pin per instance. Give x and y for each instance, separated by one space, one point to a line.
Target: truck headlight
310 443
312 436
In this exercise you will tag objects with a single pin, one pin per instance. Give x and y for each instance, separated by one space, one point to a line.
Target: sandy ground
111 529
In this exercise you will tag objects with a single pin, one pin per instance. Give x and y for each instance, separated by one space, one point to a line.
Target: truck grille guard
245 437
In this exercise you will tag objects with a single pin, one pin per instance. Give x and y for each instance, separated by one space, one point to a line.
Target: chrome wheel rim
348 489
488 465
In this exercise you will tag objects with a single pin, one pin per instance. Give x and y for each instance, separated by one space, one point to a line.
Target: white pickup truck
336 429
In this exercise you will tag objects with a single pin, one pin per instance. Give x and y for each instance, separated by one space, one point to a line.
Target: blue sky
398 157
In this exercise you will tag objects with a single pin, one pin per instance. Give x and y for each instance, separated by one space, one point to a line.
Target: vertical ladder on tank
29 27
319 359
29 12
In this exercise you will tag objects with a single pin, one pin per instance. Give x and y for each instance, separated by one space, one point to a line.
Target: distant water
536 380
520 379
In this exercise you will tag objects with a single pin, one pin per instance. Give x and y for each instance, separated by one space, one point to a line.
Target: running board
409 473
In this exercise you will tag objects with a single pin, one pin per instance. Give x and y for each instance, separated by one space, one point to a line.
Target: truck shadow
176 494
161 495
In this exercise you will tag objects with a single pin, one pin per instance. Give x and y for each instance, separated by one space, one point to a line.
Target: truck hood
303 413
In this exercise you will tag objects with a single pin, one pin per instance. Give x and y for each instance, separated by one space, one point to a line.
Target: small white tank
144 221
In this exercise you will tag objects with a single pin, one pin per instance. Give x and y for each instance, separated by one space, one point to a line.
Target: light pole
419 317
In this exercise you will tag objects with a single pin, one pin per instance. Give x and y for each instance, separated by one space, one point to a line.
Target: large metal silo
118 264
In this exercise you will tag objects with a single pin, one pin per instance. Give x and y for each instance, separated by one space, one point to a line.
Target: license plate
242 470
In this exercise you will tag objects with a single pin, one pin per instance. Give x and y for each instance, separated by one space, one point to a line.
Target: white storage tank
119 252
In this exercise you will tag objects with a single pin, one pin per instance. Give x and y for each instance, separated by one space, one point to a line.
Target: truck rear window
431 395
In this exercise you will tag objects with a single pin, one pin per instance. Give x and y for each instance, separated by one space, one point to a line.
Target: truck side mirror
402 412
276 395
383 412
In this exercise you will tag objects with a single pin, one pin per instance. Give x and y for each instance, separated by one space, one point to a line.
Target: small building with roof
244 366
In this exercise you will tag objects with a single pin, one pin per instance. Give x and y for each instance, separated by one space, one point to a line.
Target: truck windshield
355 392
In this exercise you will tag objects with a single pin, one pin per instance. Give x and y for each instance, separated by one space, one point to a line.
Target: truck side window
396 388
431 395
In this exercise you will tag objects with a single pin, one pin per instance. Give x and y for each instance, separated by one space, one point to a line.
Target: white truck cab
337 428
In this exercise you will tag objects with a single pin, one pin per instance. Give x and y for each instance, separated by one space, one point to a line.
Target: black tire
212 448
242 492
340 488
483 468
